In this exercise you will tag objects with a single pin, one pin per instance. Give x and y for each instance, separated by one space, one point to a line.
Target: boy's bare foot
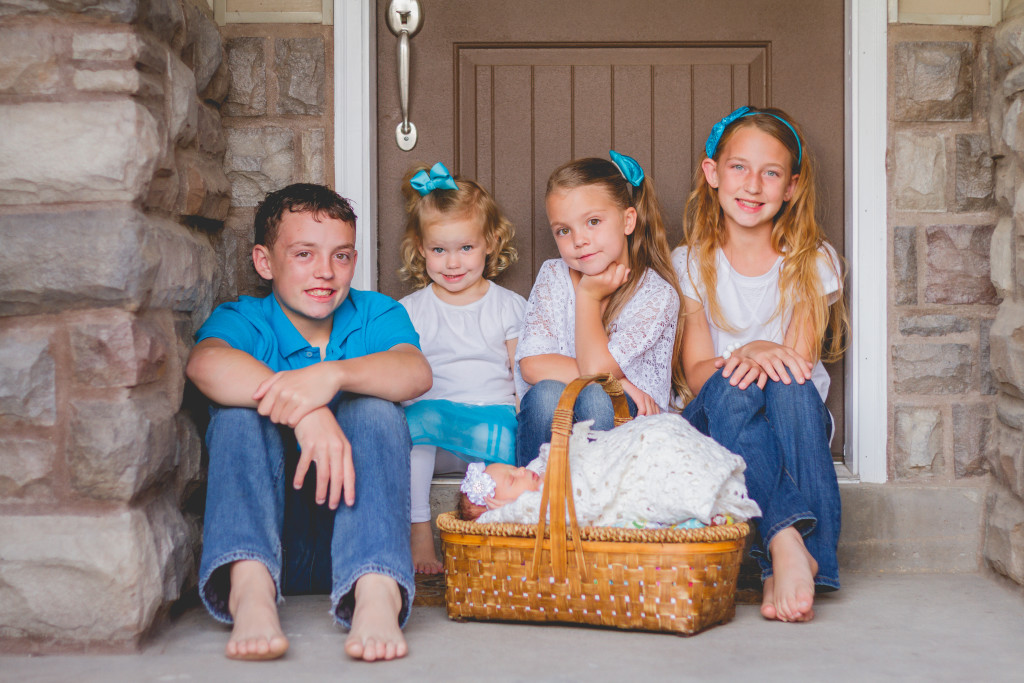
375 633
789 593
421 540
257 633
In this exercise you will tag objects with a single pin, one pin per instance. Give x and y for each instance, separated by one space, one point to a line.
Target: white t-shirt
465 345
641 338
749 303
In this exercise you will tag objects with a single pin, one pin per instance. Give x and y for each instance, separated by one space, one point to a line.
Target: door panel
517 120
504 92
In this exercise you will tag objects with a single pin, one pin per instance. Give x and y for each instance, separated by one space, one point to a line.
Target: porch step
900 528
892 528
444 497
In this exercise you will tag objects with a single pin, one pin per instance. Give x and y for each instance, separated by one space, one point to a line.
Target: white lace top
641 336
655 469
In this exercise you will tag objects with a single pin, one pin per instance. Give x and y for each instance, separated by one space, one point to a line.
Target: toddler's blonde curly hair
470 199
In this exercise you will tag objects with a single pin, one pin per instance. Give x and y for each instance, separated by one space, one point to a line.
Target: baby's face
511 482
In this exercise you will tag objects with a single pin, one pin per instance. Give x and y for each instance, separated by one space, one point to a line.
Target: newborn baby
657 470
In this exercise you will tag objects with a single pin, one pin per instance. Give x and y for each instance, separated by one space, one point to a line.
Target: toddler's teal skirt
472 432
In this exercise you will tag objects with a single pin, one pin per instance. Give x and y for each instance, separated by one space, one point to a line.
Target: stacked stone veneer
1004 538
942 217
112 194
279 121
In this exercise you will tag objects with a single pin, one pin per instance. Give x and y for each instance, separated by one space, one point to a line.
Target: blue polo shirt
365 323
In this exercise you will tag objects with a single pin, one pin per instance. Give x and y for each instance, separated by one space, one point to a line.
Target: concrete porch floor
934 627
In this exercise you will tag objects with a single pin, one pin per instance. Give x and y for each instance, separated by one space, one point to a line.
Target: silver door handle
404 18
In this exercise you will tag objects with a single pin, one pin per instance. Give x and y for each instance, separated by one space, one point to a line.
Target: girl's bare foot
257 633
421 540
768 598
375 633
789 593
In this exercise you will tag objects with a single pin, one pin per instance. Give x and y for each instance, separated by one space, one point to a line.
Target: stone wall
942 217
1004 533
279 121
112 195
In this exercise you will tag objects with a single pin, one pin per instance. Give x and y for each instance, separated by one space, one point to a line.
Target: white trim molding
355 125
273 11
866 238
954 12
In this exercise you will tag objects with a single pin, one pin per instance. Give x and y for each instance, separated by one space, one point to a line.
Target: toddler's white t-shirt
465 345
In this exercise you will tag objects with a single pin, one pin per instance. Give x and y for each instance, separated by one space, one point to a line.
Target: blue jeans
782 434
537 408
254 513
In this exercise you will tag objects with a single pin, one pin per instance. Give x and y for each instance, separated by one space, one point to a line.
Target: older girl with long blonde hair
763 307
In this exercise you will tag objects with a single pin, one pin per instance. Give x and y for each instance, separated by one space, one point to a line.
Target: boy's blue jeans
782 433
254 513
537 408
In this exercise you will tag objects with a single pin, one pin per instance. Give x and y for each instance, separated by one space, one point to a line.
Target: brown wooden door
504 92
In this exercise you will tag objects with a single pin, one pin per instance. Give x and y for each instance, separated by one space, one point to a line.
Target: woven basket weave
676 580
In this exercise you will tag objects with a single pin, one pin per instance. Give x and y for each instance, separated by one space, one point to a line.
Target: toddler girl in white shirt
456 238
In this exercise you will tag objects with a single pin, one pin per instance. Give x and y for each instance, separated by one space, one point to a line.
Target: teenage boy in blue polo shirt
308 376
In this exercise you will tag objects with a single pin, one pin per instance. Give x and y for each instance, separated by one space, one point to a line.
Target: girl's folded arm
548 366
800 335
699 359
646 320
796 353
592 354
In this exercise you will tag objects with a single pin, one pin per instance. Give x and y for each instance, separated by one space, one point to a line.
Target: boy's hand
602 285
645 405
322 442
288 396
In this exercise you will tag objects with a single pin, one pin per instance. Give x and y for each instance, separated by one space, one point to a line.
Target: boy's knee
233 414
371 408
385 418
232 421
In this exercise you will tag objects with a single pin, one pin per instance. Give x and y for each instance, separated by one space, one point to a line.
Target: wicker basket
677 580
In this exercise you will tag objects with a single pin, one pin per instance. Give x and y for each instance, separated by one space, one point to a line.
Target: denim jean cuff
805 522
343 597
215 584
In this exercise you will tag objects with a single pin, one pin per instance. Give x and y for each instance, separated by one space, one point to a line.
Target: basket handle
558 479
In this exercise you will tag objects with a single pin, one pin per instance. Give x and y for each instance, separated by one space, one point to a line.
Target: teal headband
711 146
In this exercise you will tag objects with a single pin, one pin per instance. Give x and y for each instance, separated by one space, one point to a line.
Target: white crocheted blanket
654 469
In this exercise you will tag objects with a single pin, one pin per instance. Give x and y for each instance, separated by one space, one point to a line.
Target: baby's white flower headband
477 485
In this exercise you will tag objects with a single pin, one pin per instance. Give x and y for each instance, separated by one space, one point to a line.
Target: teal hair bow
439 179
711 146
628 167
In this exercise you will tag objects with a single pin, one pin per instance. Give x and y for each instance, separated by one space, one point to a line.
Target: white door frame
355 164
